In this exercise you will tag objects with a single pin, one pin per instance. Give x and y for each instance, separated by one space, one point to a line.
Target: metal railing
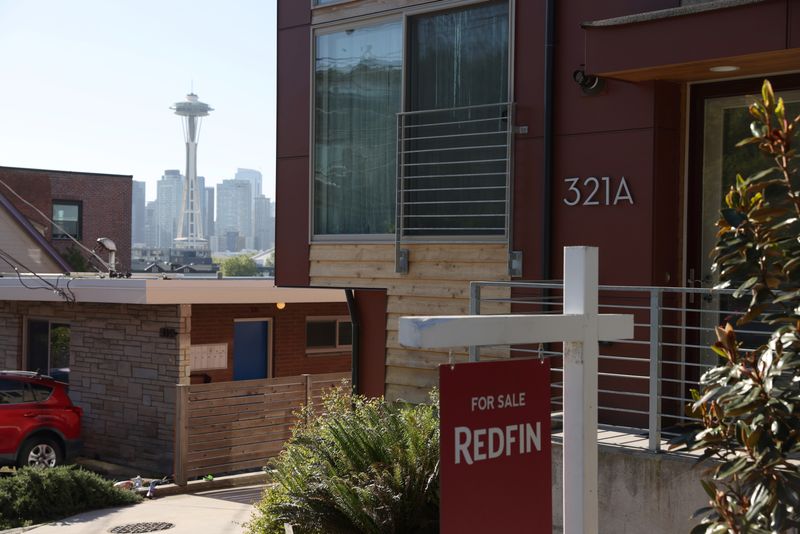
645 383
454 169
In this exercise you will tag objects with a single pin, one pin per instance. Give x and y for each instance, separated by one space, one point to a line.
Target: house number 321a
591 191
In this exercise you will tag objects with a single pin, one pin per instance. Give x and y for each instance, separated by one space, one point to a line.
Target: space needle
190 229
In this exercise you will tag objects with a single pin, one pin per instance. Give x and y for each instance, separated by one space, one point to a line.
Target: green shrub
241 265
362 466
35 495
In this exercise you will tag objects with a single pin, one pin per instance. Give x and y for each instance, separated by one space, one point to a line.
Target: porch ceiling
758 37
779 61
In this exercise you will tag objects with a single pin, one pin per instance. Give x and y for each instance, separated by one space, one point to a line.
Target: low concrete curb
194 486
19 529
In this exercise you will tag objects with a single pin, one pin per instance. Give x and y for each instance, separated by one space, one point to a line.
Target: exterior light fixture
280 305
589 83
724 68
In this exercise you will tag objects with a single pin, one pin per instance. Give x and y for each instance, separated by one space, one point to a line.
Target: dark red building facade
634 161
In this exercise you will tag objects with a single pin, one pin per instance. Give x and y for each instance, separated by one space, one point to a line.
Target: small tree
76 260
241 265
750 405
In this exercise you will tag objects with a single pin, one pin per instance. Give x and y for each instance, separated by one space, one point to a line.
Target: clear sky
86 85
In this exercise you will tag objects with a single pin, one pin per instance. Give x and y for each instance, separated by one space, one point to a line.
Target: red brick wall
106 210
213 323
34 187
106 200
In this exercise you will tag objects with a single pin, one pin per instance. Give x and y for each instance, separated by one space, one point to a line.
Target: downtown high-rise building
138 202
234 214
263 224
151 224
169 194
251 175
207 200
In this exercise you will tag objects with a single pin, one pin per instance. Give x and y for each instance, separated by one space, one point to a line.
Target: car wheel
40 452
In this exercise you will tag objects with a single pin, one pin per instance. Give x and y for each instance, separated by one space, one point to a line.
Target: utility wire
51 221
65 294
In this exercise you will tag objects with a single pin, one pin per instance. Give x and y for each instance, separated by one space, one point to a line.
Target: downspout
547 167
356 347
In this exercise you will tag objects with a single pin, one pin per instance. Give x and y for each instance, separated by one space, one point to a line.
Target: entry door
250 350
725 122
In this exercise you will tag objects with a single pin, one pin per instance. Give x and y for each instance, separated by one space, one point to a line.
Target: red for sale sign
495 447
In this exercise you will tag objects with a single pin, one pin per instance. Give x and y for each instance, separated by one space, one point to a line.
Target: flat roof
173 290
58 171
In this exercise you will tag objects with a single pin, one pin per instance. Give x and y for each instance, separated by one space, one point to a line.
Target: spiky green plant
360 466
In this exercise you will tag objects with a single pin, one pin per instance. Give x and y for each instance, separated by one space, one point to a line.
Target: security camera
589 83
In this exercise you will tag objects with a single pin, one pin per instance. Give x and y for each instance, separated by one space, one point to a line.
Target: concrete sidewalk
219 511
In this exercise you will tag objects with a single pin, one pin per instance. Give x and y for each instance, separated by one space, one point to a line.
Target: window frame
64 236
25 343
401 12
337 320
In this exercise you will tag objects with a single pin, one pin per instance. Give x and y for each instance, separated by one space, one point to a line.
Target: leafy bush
76 260
362 466
241 265
750 405
34 495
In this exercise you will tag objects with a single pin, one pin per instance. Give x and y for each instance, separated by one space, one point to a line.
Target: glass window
328 333
48 348
67 215
455 147
321 334
40 393
12 392
357 84
345 333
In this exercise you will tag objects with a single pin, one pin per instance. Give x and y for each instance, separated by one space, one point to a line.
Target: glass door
726 121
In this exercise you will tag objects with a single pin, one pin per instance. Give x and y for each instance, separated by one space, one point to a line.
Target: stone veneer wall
123 373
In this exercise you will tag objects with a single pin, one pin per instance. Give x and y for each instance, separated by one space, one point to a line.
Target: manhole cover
137 528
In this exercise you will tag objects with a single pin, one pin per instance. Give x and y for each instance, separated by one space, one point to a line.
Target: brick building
87 205
131 342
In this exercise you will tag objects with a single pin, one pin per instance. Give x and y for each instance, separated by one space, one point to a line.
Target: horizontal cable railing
454 172
645 383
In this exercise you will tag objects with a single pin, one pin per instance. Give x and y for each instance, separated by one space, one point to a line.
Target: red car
39 425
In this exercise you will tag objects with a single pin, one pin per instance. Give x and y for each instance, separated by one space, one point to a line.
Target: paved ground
214 512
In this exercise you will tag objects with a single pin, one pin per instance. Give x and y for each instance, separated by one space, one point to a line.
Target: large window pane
38 346
455 149
321 334
357 83
458 58
67 215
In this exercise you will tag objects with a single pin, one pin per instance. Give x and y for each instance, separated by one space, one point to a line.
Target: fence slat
230 426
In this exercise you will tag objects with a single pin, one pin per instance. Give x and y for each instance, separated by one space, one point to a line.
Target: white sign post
579 328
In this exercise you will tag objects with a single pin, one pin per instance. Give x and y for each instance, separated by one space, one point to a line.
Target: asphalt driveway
219 511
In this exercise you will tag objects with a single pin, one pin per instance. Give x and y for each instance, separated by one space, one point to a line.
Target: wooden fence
231 426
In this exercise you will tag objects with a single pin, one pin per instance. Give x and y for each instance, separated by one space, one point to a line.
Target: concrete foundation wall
639 491
123 374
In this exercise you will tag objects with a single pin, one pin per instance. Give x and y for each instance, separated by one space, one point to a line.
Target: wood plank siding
437 284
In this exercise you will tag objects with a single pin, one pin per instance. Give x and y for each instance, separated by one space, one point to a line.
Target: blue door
250 351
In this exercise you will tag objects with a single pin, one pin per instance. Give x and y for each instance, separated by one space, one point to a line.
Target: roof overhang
683 44
162 291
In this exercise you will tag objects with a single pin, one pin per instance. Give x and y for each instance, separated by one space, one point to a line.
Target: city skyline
87 90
